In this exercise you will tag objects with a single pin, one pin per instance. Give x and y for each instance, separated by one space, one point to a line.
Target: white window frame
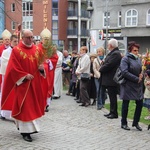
131 17
104 19
27 25
26 8
148 17
119 18
13 7
12 25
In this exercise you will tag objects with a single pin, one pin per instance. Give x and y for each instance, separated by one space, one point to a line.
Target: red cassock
51 74
48 82
29 102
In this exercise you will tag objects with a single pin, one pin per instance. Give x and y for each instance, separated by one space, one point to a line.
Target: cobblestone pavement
68 126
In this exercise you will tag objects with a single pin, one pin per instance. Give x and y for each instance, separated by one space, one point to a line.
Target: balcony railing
74 13
84 14
74 32
84 32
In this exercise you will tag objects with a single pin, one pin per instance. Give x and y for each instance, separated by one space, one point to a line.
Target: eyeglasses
29 37
136 50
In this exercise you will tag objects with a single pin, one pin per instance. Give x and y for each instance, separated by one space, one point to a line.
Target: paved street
68 126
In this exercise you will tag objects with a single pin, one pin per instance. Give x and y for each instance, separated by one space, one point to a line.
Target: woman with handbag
83 70
132 89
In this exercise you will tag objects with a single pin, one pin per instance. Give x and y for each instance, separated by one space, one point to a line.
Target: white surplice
58 76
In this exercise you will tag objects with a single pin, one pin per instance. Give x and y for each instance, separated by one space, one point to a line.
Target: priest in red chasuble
49 64
23 75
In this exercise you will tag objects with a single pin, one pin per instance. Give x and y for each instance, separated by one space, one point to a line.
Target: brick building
68 24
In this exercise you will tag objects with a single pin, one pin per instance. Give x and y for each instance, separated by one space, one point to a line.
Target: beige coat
96 67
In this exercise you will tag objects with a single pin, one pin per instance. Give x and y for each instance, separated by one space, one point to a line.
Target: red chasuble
28 103
48 82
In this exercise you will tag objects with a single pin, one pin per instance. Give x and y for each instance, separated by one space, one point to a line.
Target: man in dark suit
108 69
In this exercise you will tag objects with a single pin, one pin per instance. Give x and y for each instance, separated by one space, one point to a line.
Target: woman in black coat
132 89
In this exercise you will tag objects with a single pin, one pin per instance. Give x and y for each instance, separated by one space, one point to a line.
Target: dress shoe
106 115
3 118
68 94
125 127
112 116
26 137
56 97
47 108
148 127
78 101
137 127
82 104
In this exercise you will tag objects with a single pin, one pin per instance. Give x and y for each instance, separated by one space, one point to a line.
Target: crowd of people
33 73
100 83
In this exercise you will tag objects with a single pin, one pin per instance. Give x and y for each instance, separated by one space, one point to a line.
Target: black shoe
112 116
125 127
106 115
56 97
26 137
137 127
82 104
3 118
148 127
47 108
78 101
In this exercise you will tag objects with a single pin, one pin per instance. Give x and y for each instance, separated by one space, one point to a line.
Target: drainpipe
79 25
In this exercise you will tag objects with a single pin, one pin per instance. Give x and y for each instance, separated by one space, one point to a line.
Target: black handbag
118 78
85 76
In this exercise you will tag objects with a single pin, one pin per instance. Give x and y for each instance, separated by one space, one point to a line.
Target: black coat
92 87
131 67
108 69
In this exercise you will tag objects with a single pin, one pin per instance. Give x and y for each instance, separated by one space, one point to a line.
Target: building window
27 8
55 8
131 18
148 17
13 25
55 24
13 7
27 25
119 19
106 20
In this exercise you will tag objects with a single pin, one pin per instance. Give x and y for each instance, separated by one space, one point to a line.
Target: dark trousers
84 96
112 93
137 113
77 87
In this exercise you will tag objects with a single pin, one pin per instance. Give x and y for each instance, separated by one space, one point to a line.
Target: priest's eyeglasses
29 37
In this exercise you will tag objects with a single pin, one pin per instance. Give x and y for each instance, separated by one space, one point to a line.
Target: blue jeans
101 93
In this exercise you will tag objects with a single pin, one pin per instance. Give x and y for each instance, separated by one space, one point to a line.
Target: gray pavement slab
68 126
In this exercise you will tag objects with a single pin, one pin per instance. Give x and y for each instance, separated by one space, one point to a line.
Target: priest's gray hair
113 43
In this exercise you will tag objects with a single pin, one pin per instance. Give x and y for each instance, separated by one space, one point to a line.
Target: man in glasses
23 75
